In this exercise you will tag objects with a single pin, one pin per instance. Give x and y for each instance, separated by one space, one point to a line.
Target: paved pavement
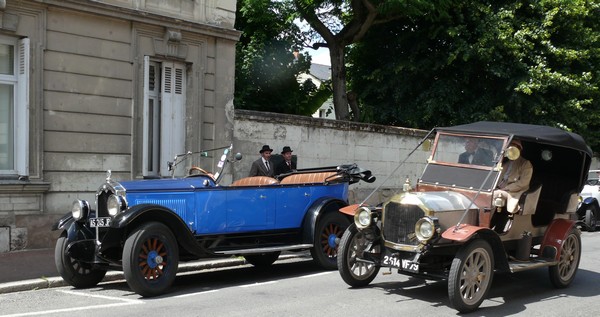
35 269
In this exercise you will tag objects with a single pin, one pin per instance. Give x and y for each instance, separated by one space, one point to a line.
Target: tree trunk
338 81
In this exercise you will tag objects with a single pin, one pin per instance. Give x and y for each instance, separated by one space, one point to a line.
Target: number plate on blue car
100 222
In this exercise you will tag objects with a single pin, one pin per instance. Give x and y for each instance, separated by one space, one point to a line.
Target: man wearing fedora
287 165
262 166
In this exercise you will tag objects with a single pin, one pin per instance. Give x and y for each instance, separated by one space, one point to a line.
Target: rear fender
315 212
556 233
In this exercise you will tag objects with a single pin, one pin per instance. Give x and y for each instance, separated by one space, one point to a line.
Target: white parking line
317 274
131 301
65 310
257 284
194 294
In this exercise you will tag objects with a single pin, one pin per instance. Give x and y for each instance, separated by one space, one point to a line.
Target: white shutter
22 110
173 113
151 119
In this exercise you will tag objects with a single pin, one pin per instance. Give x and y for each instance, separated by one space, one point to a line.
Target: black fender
126 222
588 203
315 212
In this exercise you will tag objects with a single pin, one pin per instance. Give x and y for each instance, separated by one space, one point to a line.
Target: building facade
87 86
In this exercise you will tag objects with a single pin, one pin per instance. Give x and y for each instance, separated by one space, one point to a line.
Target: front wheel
562 274
471 276
328 233
150 259
78 274
590 220
354 269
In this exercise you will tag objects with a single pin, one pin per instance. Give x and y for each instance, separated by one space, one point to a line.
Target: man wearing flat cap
287 165
262 166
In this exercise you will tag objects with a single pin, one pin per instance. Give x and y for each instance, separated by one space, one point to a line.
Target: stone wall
321 142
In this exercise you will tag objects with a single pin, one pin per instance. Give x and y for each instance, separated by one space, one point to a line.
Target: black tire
352 247
590 220
150 259
471 276
78 274
262 259
562 274
328 233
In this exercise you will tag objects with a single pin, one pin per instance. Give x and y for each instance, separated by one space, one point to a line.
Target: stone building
92 85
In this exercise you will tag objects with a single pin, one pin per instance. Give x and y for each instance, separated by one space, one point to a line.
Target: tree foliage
521 61
266 69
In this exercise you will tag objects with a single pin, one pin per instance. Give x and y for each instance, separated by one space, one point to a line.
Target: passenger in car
474 154
514 179
287 165
262 166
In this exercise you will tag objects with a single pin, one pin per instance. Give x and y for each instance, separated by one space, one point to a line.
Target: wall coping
279 118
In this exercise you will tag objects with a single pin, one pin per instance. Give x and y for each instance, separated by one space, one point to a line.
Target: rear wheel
150 259
353 246
262 259
471 276
328 233
78 274
590 220
562 274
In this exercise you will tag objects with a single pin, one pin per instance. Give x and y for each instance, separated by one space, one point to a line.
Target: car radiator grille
399 223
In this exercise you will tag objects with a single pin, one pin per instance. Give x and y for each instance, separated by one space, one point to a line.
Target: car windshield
470 150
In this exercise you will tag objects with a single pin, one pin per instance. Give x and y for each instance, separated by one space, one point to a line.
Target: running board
267 249
518 266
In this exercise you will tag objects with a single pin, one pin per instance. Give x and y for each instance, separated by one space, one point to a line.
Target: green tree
520 61
266 68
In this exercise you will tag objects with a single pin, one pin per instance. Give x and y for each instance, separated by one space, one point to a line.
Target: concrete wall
323 142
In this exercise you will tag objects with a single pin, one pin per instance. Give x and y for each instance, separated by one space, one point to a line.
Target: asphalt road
297 287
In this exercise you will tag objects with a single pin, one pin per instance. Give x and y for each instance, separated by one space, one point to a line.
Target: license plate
402 264
100 222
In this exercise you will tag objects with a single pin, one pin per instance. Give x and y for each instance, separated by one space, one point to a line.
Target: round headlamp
362 218
115 204
513 153
424 229
80 209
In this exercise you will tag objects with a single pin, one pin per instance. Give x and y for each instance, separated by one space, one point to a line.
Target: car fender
137 215
315 212
556 233
588 203
465 233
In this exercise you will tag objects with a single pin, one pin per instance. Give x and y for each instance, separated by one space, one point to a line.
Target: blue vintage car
146 227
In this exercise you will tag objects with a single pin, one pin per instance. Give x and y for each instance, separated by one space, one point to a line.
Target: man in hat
514 178
287 165
262 166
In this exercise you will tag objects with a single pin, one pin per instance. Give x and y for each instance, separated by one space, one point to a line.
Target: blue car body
146 227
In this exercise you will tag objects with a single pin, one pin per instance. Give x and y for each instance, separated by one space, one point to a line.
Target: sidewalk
35 269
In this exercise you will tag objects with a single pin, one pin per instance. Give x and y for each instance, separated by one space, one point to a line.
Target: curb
51 282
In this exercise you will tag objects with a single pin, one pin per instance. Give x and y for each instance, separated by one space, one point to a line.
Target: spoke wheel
328 233
562 274
78 274
471 276
150 259
353 246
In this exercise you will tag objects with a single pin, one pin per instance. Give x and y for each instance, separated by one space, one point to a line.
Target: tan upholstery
529 200
308 178
255 181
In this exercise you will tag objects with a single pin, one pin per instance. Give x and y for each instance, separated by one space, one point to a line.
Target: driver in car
514 178
474 154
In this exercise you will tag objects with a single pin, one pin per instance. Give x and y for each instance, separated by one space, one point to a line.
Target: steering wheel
196 168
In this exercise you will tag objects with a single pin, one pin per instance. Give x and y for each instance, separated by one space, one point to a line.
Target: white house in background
319 73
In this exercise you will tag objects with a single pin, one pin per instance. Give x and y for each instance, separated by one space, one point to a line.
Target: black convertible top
525 132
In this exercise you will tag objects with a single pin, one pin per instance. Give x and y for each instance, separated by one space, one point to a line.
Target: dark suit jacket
480 157
284 168
259 169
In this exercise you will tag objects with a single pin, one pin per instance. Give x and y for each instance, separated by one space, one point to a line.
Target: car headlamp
80 209
362 218
512 152
425 229
115 204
